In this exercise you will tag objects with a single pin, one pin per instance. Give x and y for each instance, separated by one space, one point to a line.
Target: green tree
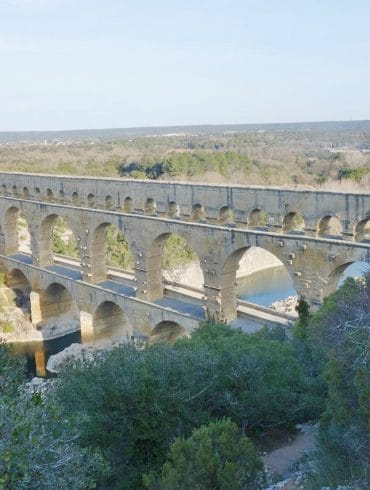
215 457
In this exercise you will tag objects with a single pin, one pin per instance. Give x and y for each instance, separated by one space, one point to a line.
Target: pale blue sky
69 64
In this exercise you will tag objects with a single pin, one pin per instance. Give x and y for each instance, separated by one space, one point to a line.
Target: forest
324 155
192 414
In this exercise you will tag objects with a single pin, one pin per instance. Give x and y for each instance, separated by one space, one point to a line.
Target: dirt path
280 460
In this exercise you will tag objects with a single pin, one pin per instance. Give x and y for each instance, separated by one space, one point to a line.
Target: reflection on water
38 353
266 286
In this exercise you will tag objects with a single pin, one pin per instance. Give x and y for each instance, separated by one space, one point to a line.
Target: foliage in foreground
38 449
132 405
216 456
338 340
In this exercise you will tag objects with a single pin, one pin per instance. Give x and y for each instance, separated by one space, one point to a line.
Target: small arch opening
108 203
330 227
173 210
226 216
167 331
91 200
150 207
362 231
75 198
15 191
61 196
26 193
258 219
37 193
49 196
198 213
128 205
293 223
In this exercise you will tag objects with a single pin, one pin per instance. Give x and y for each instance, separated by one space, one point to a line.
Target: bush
216 456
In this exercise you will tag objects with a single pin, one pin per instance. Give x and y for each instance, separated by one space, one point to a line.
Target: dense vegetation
164 417
310 154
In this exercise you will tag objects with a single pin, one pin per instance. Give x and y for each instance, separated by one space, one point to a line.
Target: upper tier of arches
328 225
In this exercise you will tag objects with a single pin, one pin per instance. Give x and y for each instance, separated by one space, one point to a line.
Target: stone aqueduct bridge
219 222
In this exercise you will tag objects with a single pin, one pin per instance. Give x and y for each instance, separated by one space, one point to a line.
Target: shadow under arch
330 226
167 331
58 310
172 259
257 219
56 237
16 232
293 222
110 322
16 280
109 247
255 275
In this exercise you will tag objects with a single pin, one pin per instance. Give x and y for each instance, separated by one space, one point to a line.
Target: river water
263 288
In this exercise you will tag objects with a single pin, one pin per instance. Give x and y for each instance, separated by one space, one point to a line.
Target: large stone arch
11 232
154 265
45 243
110 322
228 276
98 250
20 284
167 331
335 275
55 310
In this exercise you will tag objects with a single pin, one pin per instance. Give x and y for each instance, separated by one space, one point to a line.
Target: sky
74 64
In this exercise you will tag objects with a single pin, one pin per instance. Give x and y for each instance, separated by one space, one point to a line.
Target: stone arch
173 210
226 216
59 312
4 190
159 262
128 205
109 321
37 192
91 200
15 191
103 255
330 226
293 222
257 218
167 331
16 232
362 231
334 278
49 196
75 198
150 207
61 196
26 193
198 213
243 263
16 280
48 243
108 202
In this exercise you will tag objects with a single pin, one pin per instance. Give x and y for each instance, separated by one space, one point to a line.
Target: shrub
216 456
